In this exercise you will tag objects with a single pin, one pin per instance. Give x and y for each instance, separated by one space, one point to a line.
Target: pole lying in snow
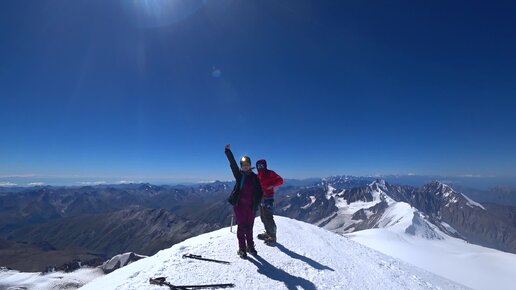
199 257
161 281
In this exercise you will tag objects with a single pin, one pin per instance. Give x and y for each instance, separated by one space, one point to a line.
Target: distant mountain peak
442 191
379 184
437 184
449 195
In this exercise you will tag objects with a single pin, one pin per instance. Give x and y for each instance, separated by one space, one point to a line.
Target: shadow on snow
291 282
294 255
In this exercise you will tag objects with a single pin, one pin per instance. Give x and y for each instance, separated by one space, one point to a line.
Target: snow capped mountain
307 256
434 206
424 226
381 216
459 216
471 265
441 195
120 261
371 207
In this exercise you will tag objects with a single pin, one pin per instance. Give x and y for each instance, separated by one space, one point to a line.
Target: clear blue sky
155 89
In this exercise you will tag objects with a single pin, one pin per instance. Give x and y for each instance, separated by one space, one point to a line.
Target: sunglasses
260 166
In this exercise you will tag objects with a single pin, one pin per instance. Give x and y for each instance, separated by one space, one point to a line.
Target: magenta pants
245 222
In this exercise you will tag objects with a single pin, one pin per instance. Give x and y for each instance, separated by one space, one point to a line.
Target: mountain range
55 225
338 207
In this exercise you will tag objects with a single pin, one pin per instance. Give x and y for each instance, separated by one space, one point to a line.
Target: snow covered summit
307 257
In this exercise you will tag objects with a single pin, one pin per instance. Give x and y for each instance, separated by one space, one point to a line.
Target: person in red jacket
268 180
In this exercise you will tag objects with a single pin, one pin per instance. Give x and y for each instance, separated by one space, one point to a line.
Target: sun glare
155 13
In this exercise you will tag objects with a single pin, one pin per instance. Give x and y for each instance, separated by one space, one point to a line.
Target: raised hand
228 147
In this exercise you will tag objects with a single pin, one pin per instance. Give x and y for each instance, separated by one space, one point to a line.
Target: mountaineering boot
270 241
242 253
263 236
252 250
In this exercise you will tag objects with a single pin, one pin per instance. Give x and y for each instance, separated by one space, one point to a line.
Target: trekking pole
231 227
199 257
161 281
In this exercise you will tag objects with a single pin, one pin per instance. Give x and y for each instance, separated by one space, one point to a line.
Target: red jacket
268 179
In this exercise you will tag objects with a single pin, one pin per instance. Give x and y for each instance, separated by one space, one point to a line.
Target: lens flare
156 13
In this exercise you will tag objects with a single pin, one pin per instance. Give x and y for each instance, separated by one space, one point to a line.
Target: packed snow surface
307 257
471 265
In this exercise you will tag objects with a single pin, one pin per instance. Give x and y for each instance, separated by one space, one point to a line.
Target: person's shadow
291 282
294 255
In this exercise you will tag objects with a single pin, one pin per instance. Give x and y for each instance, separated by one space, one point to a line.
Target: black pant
267 216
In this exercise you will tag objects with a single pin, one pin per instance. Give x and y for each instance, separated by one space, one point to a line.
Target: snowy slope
59 280
10 279
471 265
307 256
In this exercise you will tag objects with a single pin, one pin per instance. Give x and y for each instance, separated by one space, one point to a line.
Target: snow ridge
307 256
471 203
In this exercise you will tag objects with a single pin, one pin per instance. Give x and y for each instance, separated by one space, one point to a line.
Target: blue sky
153 90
